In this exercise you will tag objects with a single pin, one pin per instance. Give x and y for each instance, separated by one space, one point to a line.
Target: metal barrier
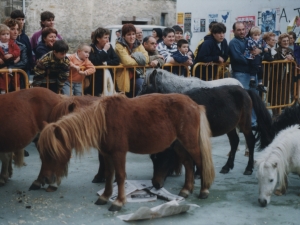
211 71
13 74
279 77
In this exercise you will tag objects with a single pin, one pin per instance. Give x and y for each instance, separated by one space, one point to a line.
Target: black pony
226 107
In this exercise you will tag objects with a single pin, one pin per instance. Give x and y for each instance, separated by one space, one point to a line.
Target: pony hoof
248 172
98 180
100 202
114 208
183 194
224 171
34 187
51 189
203 195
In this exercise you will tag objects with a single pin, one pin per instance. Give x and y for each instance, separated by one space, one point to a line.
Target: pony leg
109 175
100 176
6 159
250 140
234 142
188 163
119 161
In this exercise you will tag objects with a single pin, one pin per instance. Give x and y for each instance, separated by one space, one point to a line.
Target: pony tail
207 170
265 132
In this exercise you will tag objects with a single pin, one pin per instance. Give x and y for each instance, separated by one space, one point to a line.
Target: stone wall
76 19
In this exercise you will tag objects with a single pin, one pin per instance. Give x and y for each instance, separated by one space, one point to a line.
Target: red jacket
13 49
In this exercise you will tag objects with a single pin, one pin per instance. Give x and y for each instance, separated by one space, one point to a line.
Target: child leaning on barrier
9 51
182 55
55 65
78 60
255 61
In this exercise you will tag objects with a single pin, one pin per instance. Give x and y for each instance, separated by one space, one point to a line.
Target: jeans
76 88
244 78
138 85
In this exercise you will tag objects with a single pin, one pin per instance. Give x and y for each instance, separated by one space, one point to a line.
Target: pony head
149 86
267 175
55 153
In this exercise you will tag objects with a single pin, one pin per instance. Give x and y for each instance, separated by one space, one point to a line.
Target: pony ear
152 77
72 107
44 124
274 165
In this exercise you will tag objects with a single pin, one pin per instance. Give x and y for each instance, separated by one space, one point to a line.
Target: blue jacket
210 51
41 50
238 61
179 58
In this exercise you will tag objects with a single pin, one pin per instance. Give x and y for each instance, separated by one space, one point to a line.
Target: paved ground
232 200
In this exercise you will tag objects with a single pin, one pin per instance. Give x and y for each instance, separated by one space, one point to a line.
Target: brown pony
144 125
21 119
65 106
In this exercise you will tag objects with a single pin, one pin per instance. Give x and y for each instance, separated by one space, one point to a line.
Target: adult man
139 34
155 60
239 63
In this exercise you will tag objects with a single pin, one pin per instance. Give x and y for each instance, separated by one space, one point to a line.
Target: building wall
76 19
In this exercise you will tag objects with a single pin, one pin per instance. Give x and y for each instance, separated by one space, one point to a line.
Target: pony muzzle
50 180
263 202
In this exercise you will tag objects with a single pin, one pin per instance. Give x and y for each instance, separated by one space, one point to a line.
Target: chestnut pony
144 125
21 119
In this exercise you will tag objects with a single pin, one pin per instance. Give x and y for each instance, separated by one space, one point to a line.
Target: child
9 51
182 55
55 65
255 61
78 60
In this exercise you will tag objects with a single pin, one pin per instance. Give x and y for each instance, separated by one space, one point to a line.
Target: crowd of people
45 54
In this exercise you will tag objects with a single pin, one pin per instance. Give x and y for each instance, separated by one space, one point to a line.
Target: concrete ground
232 199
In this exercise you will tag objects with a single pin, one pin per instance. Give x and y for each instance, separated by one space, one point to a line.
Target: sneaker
252 84
261 88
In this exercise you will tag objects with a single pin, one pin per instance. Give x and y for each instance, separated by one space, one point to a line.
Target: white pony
280 158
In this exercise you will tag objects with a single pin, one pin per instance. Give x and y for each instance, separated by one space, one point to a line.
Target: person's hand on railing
82 73
221 60
289 58
153 63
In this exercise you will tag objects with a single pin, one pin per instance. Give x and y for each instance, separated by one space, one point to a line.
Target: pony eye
271 180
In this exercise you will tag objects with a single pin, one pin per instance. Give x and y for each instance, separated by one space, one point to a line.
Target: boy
182 55
9 51
55 65
78 60
255 61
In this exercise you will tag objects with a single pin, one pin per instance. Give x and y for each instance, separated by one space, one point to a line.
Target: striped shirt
166 51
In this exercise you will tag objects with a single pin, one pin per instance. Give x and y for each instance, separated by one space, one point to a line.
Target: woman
101 54
294 46
131 53
284 72
22 60
157 34
48 38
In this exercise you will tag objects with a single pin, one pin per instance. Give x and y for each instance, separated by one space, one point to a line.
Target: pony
144 125
227 107
21 117
280 158
65 106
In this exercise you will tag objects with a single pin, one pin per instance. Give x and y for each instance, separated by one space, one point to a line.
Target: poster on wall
202 25
180 19
248 21
212 17
196 25
270 20
187 26
225 18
